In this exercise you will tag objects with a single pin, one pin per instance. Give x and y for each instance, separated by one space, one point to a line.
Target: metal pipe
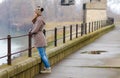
30 45
64 34
55 37
9 50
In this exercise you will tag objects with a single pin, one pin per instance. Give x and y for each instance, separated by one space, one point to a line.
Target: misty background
16 15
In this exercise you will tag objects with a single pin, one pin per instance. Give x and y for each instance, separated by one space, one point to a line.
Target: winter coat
37 31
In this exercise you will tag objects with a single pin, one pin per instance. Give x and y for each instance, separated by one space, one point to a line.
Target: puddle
93 52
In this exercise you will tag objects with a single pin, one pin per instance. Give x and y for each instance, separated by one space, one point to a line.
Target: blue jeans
44 57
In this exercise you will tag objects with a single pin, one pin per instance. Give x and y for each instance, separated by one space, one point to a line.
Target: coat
37 31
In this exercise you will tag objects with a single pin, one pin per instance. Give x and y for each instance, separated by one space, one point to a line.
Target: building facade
95 10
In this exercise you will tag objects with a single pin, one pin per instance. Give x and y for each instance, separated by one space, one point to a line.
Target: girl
39 38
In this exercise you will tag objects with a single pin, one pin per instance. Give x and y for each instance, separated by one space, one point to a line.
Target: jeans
44 57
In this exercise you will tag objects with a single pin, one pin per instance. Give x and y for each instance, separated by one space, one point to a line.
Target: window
95 0
67 2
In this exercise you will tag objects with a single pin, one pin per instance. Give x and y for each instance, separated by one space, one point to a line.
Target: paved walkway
104 65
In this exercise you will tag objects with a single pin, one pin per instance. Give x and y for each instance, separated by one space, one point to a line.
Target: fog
16 15
114 6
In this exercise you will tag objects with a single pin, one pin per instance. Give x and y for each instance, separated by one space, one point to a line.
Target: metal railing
56 36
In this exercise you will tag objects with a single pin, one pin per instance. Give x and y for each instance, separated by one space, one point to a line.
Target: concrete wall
96 10
31 66
97 15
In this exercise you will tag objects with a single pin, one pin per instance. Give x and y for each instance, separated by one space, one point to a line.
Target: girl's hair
34 20
42 9
39 9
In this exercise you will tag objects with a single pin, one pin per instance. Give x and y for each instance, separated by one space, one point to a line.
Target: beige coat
39 38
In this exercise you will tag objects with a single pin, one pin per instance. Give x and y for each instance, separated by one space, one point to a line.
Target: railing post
70 32
9 50
103 23
82 29
44 31
85 28
95 26
106 23
92 26
89 27
55 37
99 24
76 30
30 44
64 34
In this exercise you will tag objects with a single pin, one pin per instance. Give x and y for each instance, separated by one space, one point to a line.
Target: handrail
81 29
20 36
3 38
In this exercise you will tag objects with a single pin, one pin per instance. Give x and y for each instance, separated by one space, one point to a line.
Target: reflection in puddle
93 52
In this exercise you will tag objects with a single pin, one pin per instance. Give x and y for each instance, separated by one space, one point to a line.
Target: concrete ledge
58 53
30 67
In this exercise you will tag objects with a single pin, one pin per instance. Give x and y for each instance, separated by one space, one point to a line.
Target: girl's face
37 12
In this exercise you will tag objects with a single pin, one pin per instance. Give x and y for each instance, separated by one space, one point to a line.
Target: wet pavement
85 65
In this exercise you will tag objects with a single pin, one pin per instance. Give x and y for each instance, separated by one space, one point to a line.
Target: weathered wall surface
29 67
96 10
96 15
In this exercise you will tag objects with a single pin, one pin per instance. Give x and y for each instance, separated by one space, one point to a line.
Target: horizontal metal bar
79 32
21 51
20 36
3 38
3 56
16 53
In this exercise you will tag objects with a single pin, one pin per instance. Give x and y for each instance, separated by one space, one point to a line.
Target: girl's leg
44 58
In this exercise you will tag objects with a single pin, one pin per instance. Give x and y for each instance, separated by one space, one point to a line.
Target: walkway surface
79 65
